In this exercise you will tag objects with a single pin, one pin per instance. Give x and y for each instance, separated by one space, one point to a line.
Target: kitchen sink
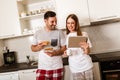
34 63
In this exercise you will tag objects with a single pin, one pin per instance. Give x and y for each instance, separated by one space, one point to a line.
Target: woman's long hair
77 25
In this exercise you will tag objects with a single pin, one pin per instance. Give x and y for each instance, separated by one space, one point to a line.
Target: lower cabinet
29 74
96 71
9 76
67 73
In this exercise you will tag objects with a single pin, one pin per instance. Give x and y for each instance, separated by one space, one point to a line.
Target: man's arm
57 52
38 47
60 51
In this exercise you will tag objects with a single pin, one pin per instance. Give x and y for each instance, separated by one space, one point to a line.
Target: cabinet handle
26 72
111 71
29 71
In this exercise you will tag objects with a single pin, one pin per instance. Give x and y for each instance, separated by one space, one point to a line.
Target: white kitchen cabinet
67 73
96 71
29 74
9 76
31 13
1 51
100 10
9 22
66 7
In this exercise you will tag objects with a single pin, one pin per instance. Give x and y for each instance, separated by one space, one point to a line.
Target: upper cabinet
26 16
101 10
31 13
9 22
66 7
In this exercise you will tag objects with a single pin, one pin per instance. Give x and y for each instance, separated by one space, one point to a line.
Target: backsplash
22 47
104 38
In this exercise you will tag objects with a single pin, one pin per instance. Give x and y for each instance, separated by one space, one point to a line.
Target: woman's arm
85 47
86 50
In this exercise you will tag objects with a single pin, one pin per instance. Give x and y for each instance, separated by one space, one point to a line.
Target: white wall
104 37
22 46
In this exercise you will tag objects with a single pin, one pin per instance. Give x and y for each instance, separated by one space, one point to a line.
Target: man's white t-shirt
78 60
44 61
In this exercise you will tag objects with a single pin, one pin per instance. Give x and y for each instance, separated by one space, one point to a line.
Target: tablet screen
73 42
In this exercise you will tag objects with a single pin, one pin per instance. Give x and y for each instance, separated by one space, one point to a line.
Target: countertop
24 66
106 56
93 57
99 57
16 67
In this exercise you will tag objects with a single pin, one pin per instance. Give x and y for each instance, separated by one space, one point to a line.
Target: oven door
111 75
110 70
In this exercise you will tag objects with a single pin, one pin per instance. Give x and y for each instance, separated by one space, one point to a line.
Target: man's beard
52 27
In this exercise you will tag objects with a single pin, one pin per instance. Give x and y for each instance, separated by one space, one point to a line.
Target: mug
68 51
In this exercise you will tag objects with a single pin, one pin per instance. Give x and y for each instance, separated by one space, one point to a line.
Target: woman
80 62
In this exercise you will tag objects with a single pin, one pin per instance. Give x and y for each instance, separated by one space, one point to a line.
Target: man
50 43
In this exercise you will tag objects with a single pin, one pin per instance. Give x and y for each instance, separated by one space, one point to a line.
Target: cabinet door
1 51
9 23
67 73
96 71
5 77
27 74
66 7
103 9
9 76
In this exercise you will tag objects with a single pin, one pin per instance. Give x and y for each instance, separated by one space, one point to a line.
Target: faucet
28 59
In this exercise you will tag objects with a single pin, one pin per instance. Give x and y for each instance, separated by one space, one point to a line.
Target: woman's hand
85 47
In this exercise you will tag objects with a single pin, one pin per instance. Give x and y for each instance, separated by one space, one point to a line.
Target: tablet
73 42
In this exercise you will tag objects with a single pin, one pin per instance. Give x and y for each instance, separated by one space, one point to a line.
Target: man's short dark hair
49 14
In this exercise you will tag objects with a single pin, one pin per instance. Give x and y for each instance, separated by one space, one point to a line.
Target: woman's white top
78 60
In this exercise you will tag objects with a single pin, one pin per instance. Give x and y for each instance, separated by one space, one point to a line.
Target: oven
110 70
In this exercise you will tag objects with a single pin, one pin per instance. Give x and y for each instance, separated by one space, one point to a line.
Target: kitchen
103 29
